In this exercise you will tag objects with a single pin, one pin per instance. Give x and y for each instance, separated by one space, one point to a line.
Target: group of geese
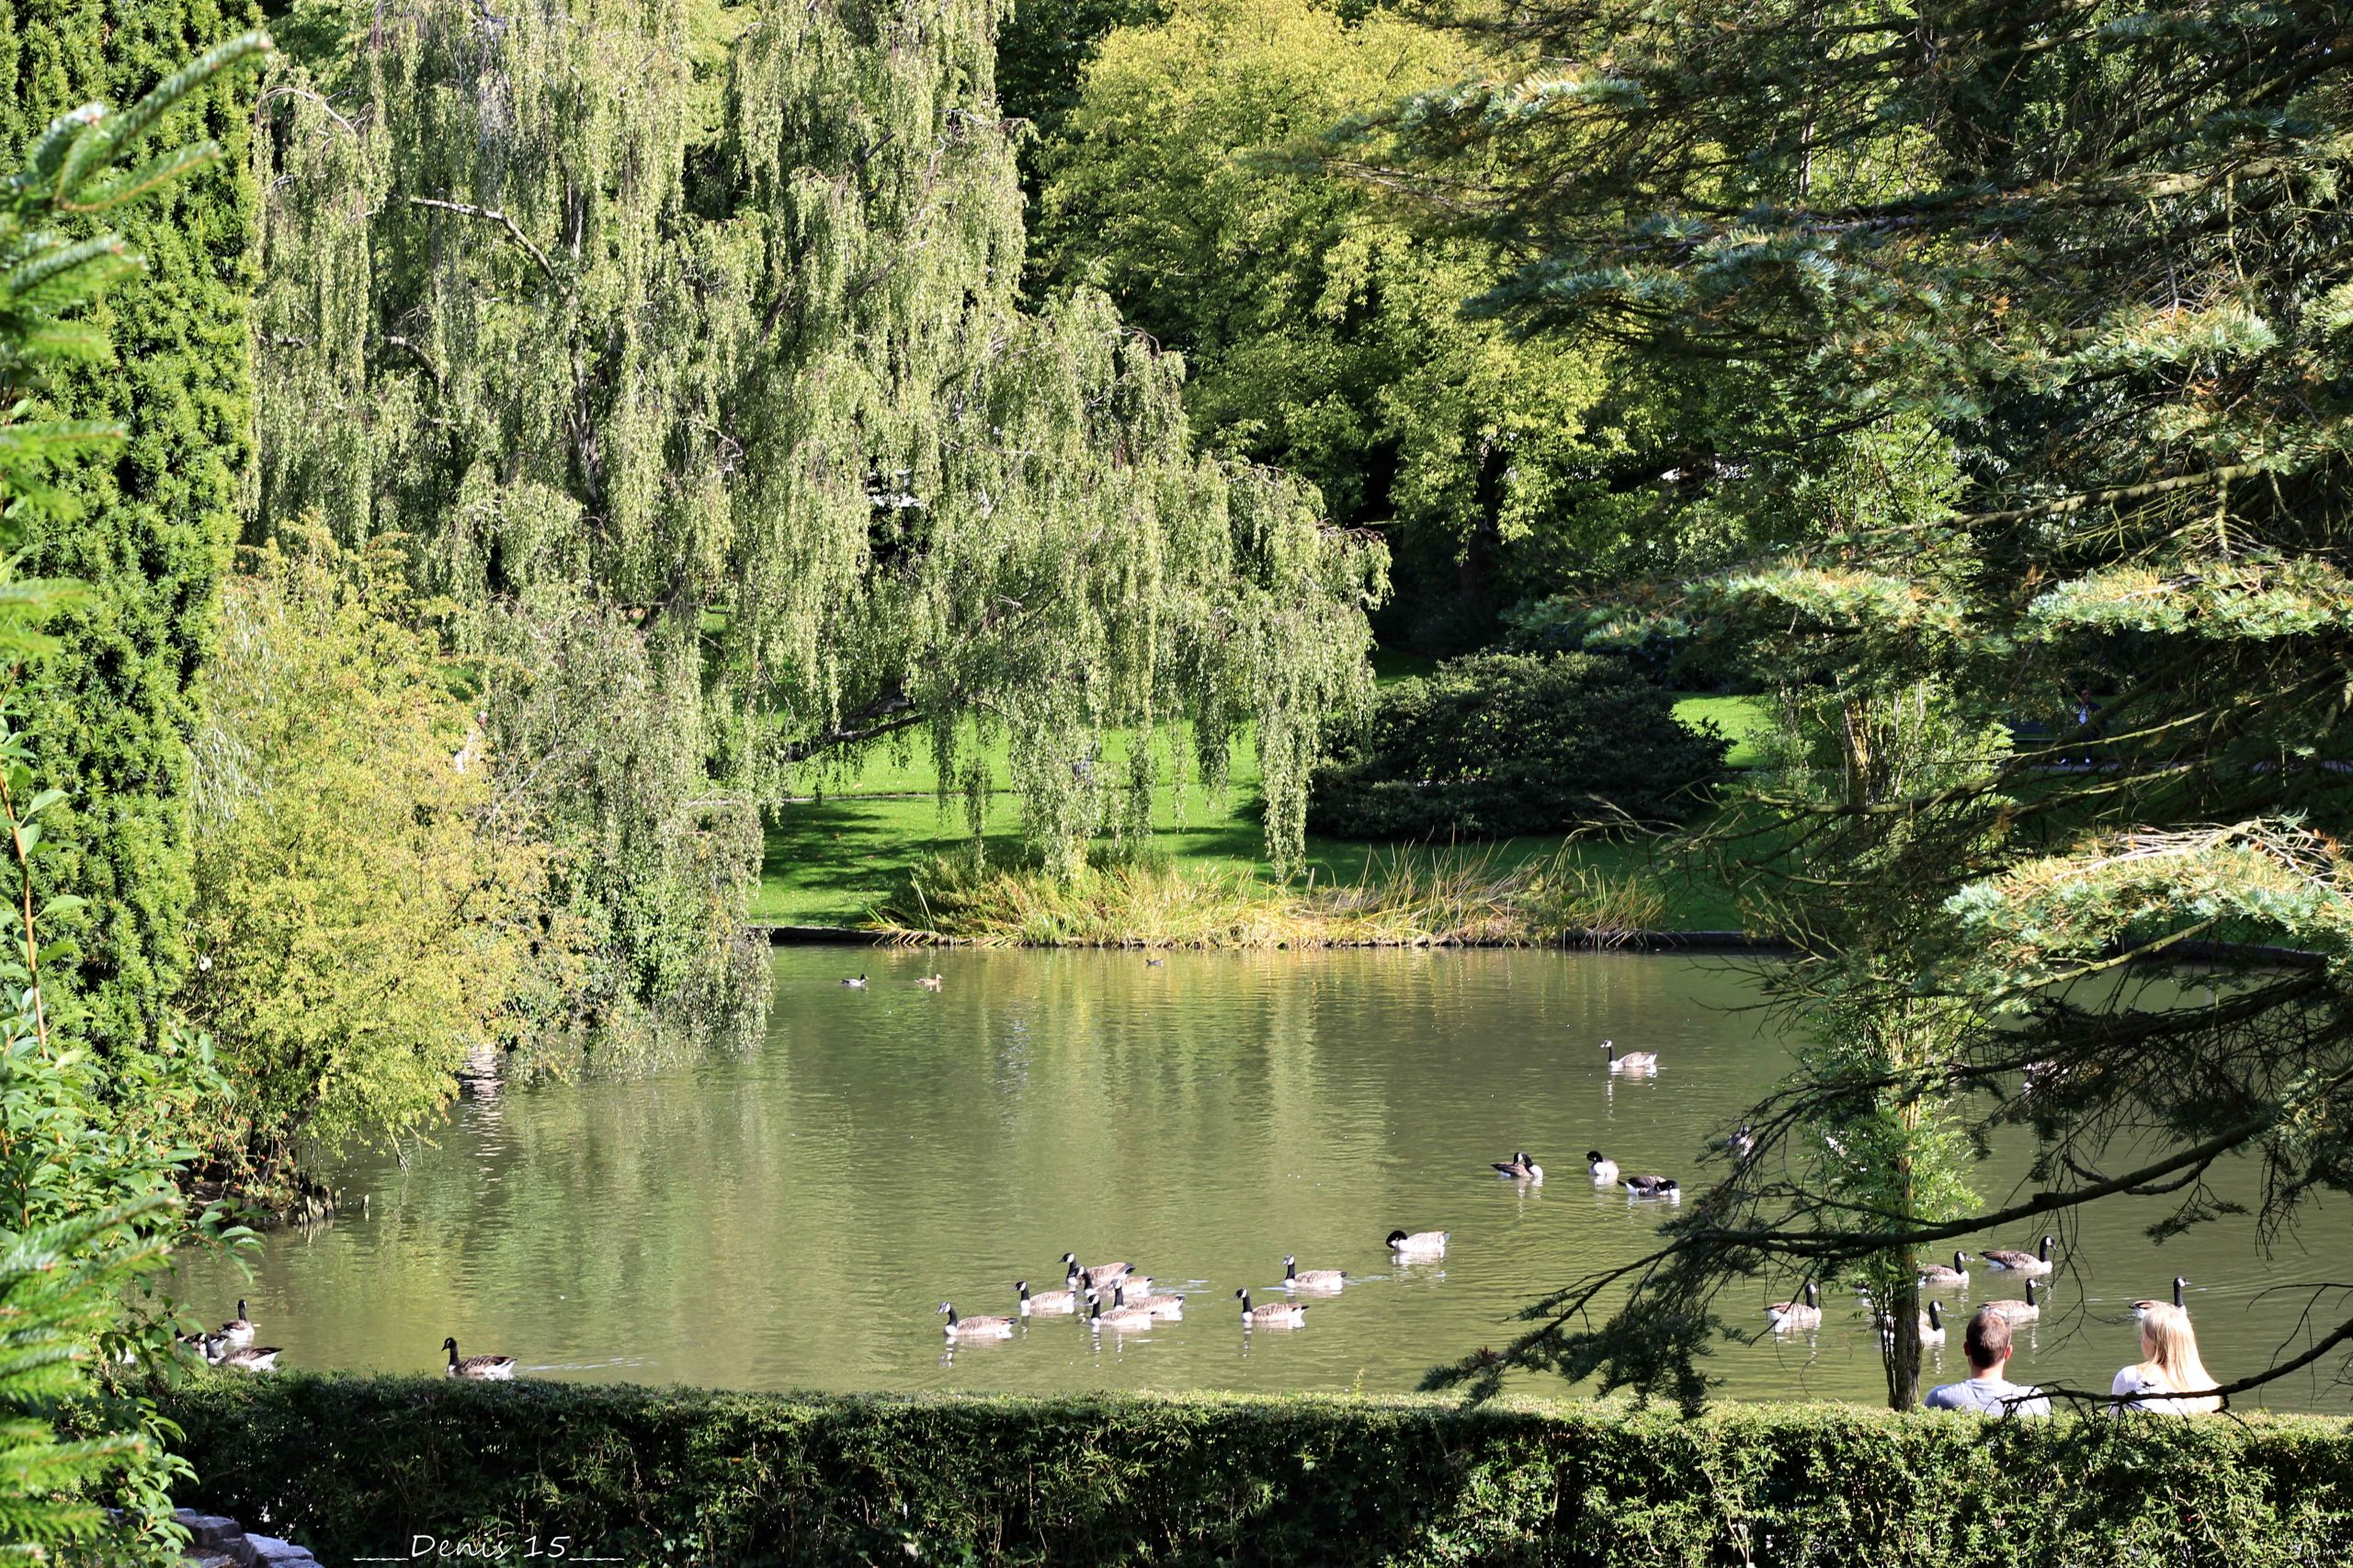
1117 1297
1603 1169
232 1345
1802 1316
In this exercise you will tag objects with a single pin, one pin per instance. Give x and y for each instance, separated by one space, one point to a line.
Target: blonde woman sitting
2168 1380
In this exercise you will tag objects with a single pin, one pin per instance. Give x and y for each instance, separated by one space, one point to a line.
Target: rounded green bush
1498 745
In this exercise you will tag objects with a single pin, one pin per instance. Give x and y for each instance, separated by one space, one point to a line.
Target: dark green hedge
1498 745
360 1467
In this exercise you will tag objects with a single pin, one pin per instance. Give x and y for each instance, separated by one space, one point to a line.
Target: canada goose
1741 1144
1421 1243
1313 1279
2019 1312
1788 1316
1938 1274
2019 1262
1155 963
1139 1283
1122 1316
1603 1170
1932 1323
974 1328
1519 1168
1651 1185
252 1358
1167 1307
858 983
1274 1314
2140 1309
1101 1273
237 1331
1048 1303
499 1368
1632 1062
929 982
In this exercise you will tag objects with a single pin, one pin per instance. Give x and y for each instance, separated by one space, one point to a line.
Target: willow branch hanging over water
696 370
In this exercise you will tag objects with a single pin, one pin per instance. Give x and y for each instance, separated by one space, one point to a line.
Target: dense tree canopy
156 512
1324 330
2095 255
736 449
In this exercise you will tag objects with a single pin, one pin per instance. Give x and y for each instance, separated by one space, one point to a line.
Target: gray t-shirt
1989 1396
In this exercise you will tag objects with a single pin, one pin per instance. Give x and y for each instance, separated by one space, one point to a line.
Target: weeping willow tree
719 421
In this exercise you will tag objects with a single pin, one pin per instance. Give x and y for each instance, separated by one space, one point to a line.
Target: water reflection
789 1216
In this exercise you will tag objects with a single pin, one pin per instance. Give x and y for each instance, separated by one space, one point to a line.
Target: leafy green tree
88 1157
1043 47
739 452
157 510
1323 327
370 910
2099 253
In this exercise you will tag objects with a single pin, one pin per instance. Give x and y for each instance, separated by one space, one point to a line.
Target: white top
2135 1389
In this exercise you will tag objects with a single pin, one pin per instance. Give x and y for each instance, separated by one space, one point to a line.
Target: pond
791 1216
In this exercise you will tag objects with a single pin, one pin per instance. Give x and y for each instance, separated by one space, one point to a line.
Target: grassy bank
356 1468
838 857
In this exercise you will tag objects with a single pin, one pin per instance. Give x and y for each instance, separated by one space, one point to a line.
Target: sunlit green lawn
831 858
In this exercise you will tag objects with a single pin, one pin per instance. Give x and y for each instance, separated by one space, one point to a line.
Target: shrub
1496 745
362 1467
367 909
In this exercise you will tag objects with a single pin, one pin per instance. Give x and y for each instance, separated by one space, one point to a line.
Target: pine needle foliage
2091 260
87 1157
144 521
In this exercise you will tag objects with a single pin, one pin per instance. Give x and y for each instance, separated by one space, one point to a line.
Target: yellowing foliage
365 915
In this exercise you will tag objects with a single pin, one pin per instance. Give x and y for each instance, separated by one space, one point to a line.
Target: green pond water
791 1216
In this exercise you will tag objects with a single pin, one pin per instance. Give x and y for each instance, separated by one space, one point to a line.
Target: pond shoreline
788 934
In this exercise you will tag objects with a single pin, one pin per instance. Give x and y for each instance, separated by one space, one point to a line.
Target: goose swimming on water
1097 1274
1274 1314
975 1328
1632 1062
239 1330
2019 1262
494 1368
1788 1316
1297 1278
1519 1168
1938 1274
1122 1315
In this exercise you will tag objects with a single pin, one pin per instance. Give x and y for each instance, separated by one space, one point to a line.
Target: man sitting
1987 1389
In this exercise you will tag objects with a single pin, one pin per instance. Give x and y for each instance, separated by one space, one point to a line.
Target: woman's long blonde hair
2171 1347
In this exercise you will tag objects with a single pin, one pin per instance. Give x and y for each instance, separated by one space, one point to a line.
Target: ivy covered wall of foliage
158 512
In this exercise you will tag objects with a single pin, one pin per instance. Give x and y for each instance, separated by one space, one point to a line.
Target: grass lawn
830 860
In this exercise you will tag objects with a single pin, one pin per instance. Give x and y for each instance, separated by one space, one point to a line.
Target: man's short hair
1989 1337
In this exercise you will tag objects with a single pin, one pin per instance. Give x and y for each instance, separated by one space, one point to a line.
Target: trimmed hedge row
365 1467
